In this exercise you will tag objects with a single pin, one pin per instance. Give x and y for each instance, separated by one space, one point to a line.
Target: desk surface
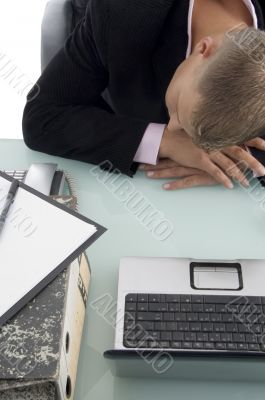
208 223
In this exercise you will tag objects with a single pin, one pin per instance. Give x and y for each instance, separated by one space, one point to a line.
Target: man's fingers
175 172
189 182
241 155
160 165
229 167
216 173
258 143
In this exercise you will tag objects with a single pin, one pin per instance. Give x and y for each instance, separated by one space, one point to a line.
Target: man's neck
215 17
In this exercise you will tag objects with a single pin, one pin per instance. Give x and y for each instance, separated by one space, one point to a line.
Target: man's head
217 94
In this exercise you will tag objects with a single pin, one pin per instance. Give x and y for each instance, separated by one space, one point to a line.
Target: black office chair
60 18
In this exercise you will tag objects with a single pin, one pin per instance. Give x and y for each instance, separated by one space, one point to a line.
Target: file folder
33 226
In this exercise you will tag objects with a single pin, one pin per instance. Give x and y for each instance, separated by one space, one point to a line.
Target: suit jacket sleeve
69 116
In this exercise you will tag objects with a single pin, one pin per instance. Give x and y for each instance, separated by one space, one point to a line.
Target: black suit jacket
128 49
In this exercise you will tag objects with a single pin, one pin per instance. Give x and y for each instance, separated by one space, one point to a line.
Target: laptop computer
180 308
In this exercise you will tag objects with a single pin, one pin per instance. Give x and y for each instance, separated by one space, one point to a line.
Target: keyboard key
190 337
255 299
233 308
195 326
197 299
141 335
209 308
242 346
214 337
130 335
173 298
180 317
175 345
219 327
227 318
145 326
160 326
192 317
197 345
239 337
243 328
158 307
130 306
204 317
153 344
202 337
220 308
142 344
198 308
131 324
142 306
148 316
253 347
220 346
129 316
166 336
187 345
154 298
256 328
142 298
164 344
207 327
208 346
215 317
185 298
183 326
212 299
231 328
153 335
168 316
173 307
130 343
251 338
226 337
185 307
178 336
171 326
256 308
131 298
231 346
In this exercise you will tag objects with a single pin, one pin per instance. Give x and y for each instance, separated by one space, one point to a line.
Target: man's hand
195 167
187 177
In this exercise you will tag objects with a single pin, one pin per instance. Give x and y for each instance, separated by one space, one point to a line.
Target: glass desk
207 223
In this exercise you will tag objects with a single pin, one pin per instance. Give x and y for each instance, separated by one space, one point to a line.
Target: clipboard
15 293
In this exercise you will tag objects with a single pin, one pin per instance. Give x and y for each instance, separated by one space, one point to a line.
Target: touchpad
207 276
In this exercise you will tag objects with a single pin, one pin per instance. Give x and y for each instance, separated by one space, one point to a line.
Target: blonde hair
231 109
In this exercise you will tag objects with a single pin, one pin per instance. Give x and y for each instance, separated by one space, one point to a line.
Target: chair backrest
60 18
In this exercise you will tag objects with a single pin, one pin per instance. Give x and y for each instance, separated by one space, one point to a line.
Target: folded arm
70 118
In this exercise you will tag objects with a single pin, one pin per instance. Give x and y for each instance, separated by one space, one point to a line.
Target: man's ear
206 47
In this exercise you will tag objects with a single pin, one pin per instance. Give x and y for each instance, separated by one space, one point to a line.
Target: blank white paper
36 238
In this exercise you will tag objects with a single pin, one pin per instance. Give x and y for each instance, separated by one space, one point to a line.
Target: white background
20 27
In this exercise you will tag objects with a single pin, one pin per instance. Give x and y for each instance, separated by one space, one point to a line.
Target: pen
9 200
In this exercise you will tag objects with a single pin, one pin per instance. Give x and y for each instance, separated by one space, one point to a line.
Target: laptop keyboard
195 322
